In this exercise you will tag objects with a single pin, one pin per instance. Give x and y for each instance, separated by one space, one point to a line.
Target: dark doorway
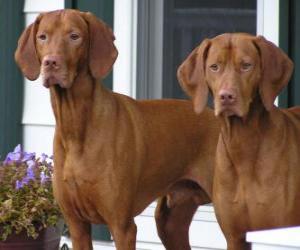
289 38
186 23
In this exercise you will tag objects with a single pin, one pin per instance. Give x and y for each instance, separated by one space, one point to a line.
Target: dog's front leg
80 234
124 235
237 244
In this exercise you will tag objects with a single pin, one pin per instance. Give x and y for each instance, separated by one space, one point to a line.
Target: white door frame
125 24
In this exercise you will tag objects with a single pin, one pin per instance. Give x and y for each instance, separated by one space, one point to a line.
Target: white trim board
41 6
268 19
125 26
275 239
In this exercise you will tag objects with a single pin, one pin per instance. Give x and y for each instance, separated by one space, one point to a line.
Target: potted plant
29 214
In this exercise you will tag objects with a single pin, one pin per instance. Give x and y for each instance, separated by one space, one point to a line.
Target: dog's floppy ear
276 69
102 51
26 55
191 76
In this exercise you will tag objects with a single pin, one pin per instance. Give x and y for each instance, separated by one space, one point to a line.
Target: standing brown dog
257 175
113 155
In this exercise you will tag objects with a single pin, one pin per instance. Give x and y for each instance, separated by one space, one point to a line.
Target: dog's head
235 68
61 44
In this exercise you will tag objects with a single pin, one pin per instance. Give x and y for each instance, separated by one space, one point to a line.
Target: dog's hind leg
175 212
173 224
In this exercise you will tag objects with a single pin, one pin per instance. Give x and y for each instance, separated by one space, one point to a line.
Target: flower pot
48 239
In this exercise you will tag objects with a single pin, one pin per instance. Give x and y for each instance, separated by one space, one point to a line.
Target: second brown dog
257 175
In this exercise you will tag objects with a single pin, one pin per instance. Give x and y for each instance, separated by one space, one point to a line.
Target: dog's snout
227 96
51 62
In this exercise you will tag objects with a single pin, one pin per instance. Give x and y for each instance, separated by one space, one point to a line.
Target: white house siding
38 121
204 231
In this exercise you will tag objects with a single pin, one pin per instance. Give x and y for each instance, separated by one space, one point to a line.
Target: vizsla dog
257 176
114 155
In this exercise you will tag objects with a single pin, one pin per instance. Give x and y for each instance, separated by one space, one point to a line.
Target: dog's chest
261 203
262 190
84 192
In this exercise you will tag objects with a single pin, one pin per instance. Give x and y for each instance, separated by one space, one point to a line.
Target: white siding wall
205 232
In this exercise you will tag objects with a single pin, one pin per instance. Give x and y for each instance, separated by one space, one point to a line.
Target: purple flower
31 163
44 178
28 156
18 148
14 156
19 184
44 157
30 174
18 155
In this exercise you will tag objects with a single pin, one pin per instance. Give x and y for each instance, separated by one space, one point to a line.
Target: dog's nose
227 96
51 62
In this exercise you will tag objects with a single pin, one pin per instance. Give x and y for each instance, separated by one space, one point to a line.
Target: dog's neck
74 107
243 136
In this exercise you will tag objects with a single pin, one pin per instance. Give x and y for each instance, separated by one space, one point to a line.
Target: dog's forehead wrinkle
222 52
218 54
49 24
68 20
221 47
248 56
75 21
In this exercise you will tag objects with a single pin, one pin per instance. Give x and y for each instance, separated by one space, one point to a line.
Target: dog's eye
214 67
246 66
74 36
42 37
